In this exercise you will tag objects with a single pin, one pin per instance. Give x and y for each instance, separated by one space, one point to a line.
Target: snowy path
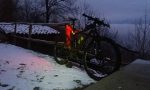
22 69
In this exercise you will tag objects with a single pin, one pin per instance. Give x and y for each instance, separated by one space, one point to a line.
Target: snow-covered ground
24 29
22 69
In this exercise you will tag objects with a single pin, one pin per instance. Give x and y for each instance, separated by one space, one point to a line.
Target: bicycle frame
89 49
86 33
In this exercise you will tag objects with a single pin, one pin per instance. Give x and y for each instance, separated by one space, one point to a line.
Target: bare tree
16 10
37 11
84 7
6 10
27 9
47 10
140 37
30 11
58 8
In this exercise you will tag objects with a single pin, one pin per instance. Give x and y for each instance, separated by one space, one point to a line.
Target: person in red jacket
68 34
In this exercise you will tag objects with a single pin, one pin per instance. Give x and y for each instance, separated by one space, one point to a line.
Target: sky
120 11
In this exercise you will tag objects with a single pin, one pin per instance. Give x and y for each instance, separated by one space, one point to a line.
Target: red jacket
68 33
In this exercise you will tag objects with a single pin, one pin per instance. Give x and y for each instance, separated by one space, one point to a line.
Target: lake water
124 32
123 29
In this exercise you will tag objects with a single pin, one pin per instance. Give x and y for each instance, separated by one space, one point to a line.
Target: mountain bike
99 54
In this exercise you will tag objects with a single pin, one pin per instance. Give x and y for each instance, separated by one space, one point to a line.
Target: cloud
117 10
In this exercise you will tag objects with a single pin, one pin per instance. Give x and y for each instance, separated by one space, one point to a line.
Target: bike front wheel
102 57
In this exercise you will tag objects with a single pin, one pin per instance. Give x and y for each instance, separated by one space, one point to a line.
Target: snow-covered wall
24 29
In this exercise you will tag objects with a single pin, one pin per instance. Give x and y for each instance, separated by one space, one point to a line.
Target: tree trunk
47 11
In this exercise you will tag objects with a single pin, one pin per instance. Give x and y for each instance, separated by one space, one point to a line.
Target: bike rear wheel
101 58
61 54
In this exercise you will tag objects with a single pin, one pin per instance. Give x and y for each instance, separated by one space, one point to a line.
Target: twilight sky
120 11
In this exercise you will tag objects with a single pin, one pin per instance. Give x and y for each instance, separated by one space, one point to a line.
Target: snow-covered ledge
135 76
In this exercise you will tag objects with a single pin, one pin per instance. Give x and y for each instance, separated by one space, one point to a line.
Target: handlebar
96 20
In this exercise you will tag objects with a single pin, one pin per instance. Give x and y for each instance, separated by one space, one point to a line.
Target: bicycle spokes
100 59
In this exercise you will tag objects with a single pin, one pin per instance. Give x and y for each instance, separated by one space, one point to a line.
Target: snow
140 61
9 28
24 29
22 69
43 29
